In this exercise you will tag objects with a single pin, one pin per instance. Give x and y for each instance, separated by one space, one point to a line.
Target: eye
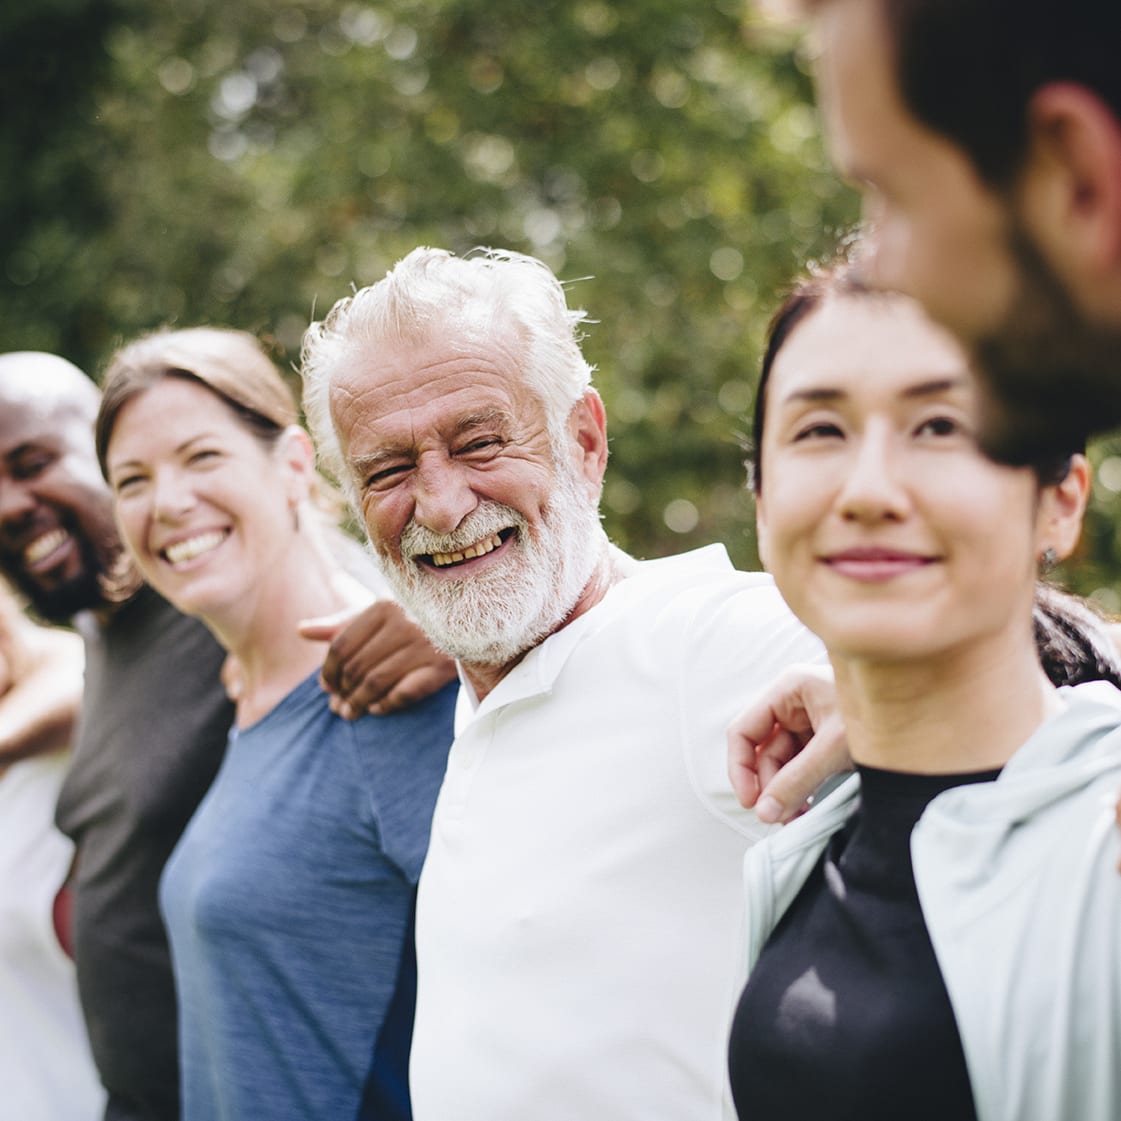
939 426
202 456
127 483
483 446
31 463
819 430
385 477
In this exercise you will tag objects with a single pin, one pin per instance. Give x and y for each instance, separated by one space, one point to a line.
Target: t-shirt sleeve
735 642
402 758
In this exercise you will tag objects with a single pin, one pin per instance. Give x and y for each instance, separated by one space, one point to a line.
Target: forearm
39 712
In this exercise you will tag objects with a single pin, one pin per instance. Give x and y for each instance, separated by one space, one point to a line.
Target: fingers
782 747
785 744
322 630
754 755
364 683
771 729
381 662
354 644
414 687
825 754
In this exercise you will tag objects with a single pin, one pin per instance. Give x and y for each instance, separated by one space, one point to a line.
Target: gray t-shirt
152 734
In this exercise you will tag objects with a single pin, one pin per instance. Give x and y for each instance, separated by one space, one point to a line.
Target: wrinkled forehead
436 368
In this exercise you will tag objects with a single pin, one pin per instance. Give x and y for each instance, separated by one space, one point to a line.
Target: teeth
183 551
489 544
43 546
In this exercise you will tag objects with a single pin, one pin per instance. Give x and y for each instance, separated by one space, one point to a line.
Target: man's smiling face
56 527
481 515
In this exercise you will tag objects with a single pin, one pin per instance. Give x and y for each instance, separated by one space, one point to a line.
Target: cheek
384 521
788 513
130 522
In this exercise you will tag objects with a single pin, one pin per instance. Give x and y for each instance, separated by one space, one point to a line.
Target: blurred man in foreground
986 136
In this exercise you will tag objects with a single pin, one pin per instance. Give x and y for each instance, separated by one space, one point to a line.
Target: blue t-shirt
289 904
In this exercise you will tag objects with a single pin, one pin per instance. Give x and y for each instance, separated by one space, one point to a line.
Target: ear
587 425
1071 185
1061 509
296 457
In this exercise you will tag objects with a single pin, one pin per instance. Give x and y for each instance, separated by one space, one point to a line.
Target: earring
1048 559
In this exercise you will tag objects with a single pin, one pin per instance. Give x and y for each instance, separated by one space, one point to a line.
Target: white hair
510 291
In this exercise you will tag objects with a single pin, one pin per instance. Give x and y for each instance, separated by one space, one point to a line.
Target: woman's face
204 507
886 530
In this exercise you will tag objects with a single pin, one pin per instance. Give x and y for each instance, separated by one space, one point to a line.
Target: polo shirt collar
536 673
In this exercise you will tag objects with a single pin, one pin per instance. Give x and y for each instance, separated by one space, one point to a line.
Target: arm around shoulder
42 675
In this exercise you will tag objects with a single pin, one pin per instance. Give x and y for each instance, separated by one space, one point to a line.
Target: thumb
325 627
826 754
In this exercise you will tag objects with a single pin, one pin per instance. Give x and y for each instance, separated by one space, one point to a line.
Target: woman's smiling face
203 505
886 529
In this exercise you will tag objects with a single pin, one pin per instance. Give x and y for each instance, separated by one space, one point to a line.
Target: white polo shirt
579 928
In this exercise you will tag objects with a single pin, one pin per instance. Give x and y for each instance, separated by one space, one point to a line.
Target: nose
442 496
16 502
172 496
873 489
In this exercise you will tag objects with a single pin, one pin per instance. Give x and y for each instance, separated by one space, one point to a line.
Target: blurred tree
247 163
51 201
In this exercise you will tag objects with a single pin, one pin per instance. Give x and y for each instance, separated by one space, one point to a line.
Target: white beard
492 617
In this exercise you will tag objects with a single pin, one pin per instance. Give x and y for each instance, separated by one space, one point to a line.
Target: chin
884 642
61 602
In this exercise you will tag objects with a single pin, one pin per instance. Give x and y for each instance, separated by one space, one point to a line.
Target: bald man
56 519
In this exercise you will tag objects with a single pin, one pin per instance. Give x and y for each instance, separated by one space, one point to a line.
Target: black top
152 733
845 1014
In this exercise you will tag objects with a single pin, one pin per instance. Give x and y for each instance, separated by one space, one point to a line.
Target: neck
613 567
261 631
954 714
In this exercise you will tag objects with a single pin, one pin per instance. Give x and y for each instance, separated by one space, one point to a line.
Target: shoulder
149 629
415 735
679 590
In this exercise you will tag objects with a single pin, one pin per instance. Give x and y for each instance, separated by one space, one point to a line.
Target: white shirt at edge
579 929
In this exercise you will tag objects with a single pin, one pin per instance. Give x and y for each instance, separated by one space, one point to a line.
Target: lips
876 564
189 548
471 552
42 548
479 549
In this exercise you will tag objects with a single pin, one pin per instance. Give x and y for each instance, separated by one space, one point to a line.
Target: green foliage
246 163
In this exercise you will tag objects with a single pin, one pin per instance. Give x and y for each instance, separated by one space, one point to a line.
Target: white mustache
489 518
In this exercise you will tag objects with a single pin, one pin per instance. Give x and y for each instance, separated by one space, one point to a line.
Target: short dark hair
968 68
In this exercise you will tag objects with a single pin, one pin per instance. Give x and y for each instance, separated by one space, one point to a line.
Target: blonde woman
289 898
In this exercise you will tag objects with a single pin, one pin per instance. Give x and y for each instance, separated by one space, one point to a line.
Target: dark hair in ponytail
1071 637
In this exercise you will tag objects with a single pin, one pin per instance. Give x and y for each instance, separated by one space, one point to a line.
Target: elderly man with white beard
579 916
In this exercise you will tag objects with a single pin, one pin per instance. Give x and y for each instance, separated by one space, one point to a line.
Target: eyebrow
36 445
931 387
